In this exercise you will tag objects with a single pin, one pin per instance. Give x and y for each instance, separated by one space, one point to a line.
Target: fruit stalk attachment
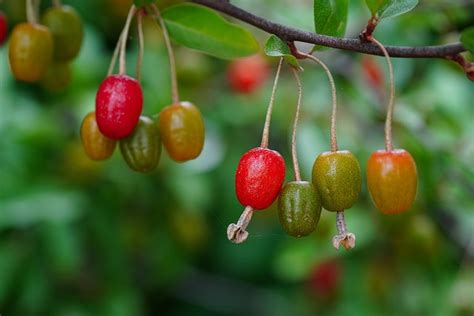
344 238
141 45
294 154
124 38
32 11
236 232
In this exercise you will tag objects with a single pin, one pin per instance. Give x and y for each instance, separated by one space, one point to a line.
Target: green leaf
140 3
390 8
275 47
330 17
203 29
467 38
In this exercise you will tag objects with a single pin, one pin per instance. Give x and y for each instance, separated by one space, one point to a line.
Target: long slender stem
169 47
268 118
115 55
391 100
31 14
123 66
296 166
334 98
141 44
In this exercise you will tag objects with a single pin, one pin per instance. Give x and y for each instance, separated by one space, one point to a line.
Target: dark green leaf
203 29
275 47
330 17
390 8
467 38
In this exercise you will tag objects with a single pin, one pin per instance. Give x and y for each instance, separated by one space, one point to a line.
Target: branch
356 45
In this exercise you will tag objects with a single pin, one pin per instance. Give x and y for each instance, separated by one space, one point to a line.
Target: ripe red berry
3 28
246 75
372 72
392 180
118 105
259 177
325 278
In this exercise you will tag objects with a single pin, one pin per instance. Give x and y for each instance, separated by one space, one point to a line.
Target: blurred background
84 238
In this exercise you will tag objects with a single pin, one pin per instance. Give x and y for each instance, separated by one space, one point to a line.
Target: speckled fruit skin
3 28
118 105
299 208
259 177
141 150
392 180
182 131
57 77
66 27
246 75
30 51
97 146
337 178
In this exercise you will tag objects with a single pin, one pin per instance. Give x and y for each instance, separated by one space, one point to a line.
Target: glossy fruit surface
259 177
182 131
57 77
299 207
3 28
141 150
118 105
66 27
337 178
247 74
30 51
392 180
96 145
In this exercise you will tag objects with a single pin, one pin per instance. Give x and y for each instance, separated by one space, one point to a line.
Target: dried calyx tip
236 232
344 238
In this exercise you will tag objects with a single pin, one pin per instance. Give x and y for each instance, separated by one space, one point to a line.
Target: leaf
330 17
203 29
467 38
275 47
390 8
141 3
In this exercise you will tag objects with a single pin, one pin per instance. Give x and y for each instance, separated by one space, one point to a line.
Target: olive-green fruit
299 207
141 150
66 26
337 178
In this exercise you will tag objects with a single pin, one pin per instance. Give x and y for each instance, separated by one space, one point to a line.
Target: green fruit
57 77
299 207
66 26
337 177
142 149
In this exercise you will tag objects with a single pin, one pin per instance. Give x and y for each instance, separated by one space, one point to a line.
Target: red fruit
3 28
259 177
118 105
392 180
372 72
325 278
246 75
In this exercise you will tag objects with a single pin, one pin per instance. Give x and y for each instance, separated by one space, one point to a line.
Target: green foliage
330 17
203 29
140 3
390 8
467 38
275 47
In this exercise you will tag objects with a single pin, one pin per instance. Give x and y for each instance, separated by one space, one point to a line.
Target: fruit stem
334 98
124 38
32 10
391 100
236 232
57 3
295 126
266 127
141 45
115 55
174 80
343 237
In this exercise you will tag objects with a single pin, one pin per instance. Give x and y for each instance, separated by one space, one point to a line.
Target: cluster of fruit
117 117
43 52
335 186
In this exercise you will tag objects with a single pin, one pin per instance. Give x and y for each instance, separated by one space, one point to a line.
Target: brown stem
369 29
236 232
141 43
31 12
344 238
123 66
266 127
350 44
391 99
295 126
174 80
334 98
115 54
466 65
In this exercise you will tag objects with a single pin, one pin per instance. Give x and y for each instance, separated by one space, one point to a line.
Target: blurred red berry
247 74
325 278
3 28
372 72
